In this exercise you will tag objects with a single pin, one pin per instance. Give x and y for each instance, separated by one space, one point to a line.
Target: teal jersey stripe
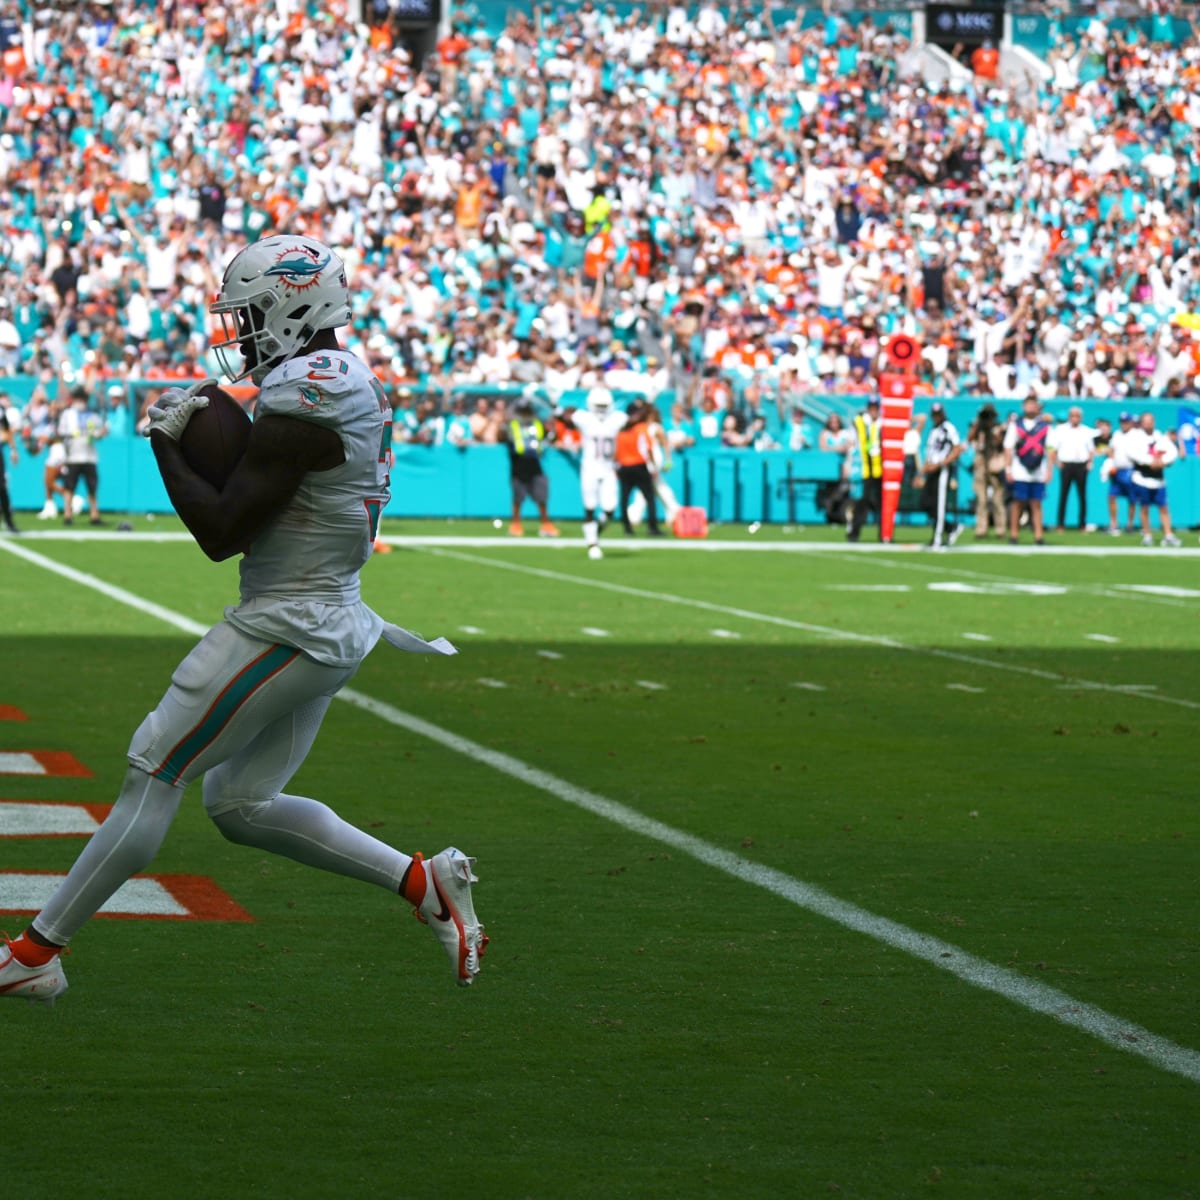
236 693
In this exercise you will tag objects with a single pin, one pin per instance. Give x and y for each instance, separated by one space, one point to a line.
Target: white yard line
1150 594
687 545
1001 981
828 631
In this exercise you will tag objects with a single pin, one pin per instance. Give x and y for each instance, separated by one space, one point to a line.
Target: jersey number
324 363
605 448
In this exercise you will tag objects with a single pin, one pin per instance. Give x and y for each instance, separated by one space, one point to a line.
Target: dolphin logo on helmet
276 294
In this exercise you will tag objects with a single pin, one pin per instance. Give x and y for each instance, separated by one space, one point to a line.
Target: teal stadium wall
732 485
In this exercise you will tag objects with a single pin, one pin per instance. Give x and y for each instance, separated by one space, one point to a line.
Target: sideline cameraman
986 436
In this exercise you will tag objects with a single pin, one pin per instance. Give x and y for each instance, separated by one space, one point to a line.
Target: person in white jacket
1152 453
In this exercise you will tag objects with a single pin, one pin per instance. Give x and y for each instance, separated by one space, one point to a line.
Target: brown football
215 438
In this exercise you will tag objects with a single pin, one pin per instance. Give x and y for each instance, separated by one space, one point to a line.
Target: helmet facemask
276 295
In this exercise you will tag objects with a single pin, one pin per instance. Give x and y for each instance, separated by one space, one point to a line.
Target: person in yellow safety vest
526 436
869 429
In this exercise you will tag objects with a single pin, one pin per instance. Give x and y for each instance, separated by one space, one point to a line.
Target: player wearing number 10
244 706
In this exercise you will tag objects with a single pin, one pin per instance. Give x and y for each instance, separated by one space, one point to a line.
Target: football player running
599 425
244 707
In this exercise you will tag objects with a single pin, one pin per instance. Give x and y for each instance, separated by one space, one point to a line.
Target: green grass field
996 752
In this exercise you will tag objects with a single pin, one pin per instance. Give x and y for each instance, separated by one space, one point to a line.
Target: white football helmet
276 294
600 400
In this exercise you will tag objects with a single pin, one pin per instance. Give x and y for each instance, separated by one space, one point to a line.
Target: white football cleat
449 911
48 510
595 552
42 984
1169 539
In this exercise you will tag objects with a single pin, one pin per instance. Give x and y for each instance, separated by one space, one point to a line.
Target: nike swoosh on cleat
8 987
445 914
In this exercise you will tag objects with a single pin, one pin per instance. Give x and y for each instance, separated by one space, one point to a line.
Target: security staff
869 429
526 437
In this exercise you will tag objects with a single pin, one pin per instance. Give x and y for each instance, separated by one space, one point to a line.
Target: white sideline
697 545
829 631
1011 985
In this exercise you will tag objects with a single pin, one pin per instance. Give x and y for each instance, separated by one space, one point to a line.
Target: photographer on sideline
986 436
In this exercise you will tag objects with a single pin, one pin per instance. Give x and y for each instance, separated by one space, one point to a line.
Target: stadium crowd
726 213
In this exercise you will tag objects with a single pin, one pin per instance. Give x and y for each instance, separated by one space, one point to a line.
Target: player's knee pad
224 792
237 825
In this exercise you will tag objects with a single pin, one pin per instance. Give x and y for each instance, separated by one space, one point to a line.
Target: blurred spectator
835 438
1120 476
1074 447
1027 461
80 429
1152 453
8 453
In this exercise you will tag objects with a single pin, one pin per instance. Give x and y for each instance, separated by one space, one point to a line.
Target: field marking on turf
491 683
49 818
965 687
805 686
978 637
848 635
1131 689
868 587
469 629
550 654
1001 981
1157 589
650 685
1102 637
1150 594
54 763
958 587
684 545
165 897
592 631
725 633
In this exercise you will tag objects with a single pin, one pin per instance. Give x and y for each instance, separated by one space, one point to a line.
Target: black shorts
537 489
546 170
72 473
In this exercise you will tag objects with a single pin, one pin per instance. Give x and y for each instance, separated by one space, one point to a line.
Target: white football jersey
599 442
300 576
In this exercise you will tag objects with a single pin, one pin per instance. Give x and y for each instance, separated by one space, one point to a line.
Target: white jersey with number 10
599 449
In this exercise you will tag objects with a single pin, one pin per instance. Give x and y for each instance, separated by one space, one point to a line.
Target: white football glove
171 412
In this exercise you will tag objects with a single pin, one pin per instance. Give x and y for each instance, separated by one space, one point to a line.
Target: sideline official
1074 446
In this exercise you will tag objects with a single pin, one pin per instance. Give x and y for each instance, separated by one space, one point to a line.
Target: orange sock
29 954
413 886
